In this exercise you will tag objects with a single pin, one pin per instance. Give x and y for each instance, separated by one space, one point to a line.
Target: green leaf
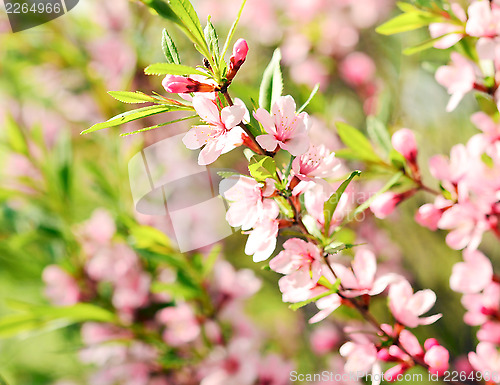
158 125
397 160
172 69
132 97
209 261
150 238
408 22
423 46
335 247
169 48
357 142
176 290
378 133
262 167
162 8
15 137
271 86
486 103
212 40
335 289
231 33
285 207
129 116
313 92
332 202
184 10
487 160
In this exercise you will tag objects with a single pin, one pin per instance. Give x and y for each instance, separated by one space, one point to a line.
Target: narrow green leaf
209 261
172 69
335 289
313 92
176 290
158 125
212 40
231 33
227 174
422 46
271 86
169 48
15 137
332 202
378 133
132 97
162 8
284 206
184 10
262 167
486 103
408 22
357 142
129 116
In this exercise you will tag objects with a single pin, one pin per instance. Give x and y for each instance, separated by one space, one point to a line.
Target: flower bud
240 51
385 204
428 216
437 358
392 374
430 342
180 84
404 142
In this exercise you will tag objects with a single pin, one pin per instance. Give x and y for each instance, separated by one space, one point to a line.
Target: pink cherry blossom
472 275
458 77
484 20
486 124
248 205
314 165
361 359
234 284
486 358
357 69
404 142
489 332
451 32
298 257
94 333
482 305
261 240
324 339
220 135
428 215
273 370
131 291
361 278
326 305
285 128
180 322
407 307
61 288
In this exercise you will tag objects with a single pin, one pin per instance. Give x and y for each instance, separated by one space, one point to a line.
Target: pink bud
357 69
404 142
430 342
392 374
180 84
437 358
383 355
385 203
240 51
428 216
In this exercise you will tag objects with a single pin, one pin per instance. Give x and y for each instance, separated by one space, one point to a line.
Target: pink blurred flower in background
60 287
181 325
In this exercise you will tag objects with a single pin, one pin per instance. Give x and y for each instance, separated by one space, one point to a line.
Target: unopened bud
404 142
180 84
240 51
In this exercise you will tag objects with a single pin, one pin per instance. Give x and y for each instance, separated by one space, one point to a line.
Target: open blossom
261 240
484 20
472 275
361 355
298 257
481 306
285 128
486 358
451 32
407 307
458 77
235 284
360 279
485 123
437 357
314 165
247 200
220 135
181 324
489 332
